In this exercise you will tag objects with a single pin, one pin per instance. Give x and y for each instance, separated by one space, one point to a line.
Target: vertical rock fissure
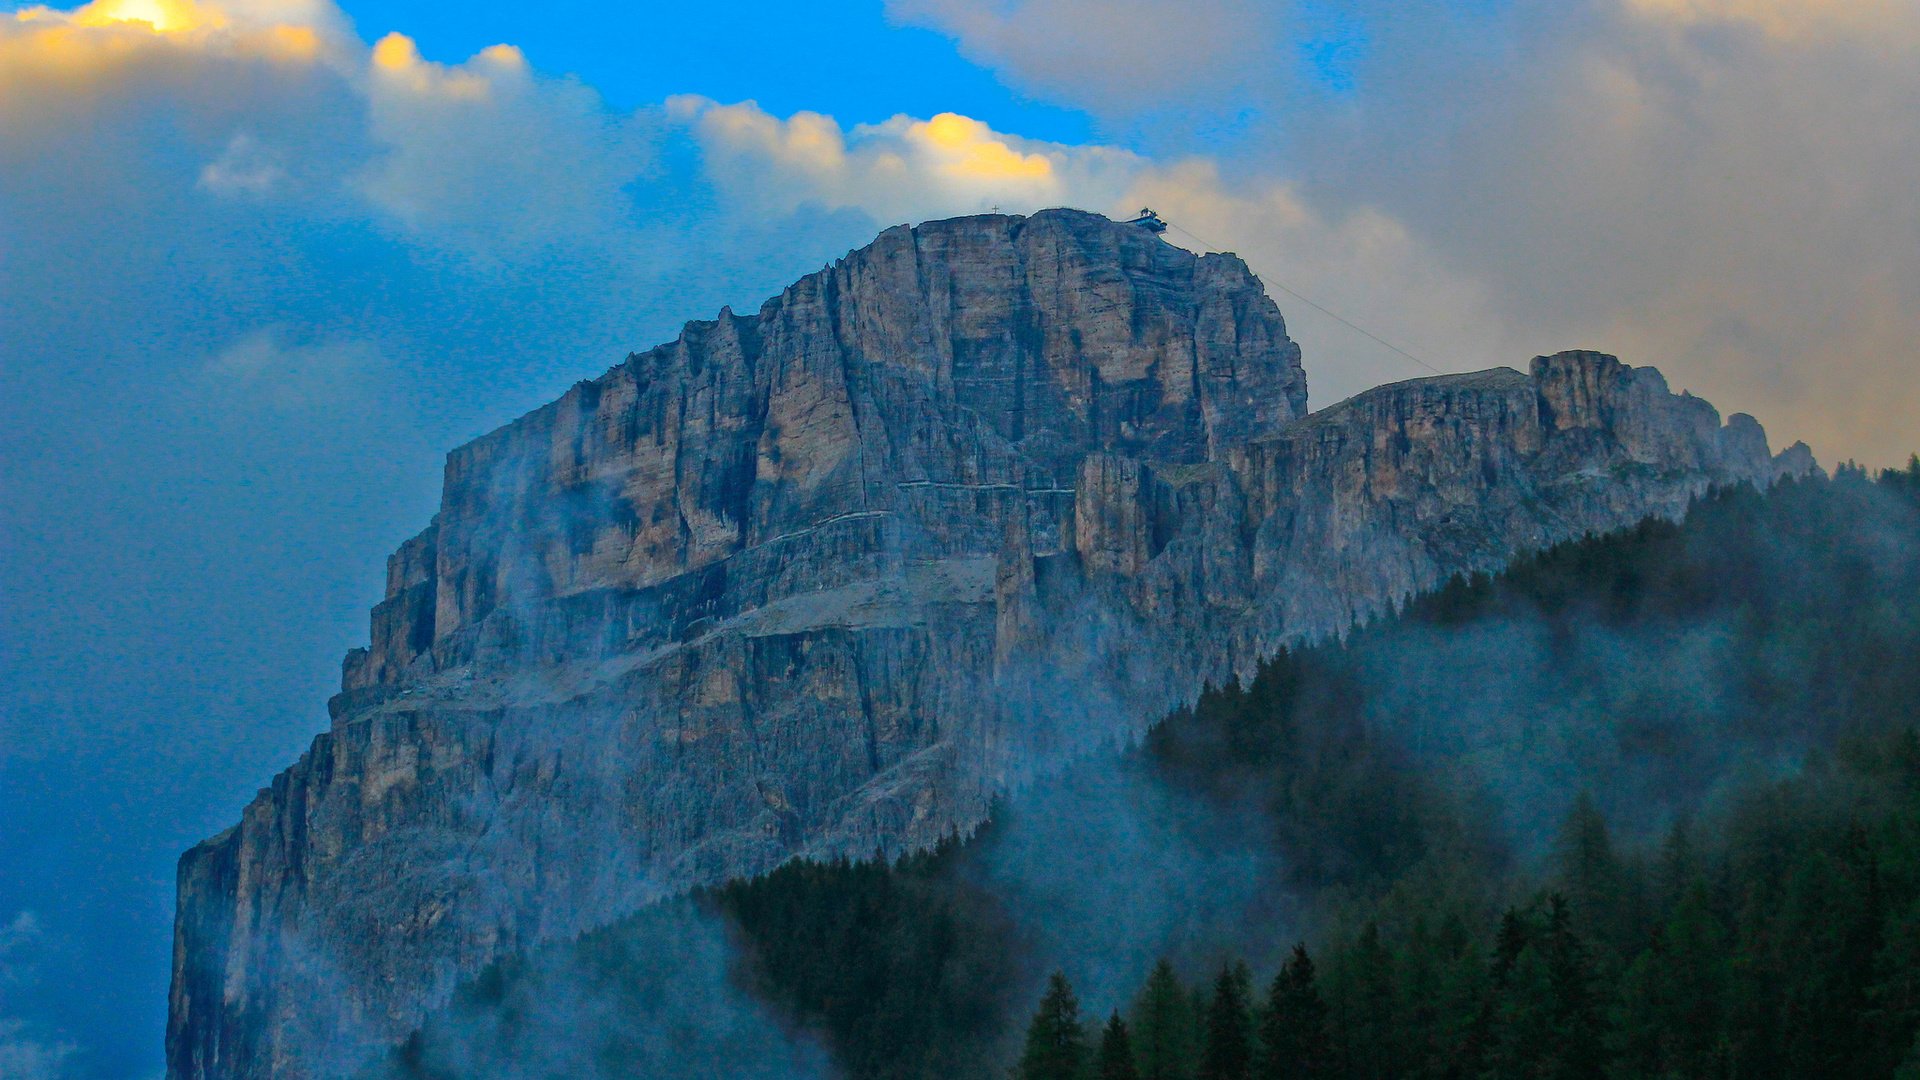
743 660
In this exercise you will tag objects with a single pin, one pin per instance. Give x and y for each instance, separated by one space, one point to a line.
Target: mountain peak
826 578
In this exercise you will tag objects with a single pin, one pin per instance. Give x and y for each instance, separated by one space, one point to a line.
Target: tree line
1739 895
1778 938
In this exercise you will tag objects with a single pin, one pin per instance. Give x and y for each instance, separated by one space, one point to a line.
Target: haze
262 262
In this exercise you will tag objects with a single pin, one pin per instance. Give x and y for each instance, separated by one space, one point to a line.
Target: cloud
89 50
249 296
489 153
243 168
263 369
904 169
1789 20
26 1052
257 272
1357 260
1718 187
1123 53
24 1057
909 169
234 354
483 156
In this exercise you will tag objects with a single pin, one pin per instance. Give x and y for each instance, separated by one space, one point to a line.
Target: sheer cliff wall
826 578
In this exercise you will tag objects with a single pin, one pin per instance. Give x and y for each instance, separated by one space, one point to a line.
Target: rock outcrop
826 578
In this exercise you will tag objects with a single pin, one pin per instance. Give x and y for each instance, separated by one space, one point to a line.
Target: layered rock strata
823 579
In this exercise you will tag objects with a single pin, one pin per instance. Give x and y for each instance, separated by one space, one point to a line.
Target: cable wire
1322 309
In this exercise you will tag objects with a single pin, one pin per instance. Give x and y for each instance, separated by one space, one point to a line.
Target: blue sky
261 266
843 59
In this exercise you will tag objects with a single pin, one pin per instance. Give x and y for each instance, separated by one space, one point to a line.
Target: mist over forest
915 537
1643 804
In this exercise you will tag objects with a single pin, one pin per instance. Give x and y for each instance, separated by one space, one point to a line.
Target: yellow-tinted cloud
86 45
903 169
448 150
396 58
489 156
282 29
1361 261
971 149
1711 185
161 16
61 52
806 145
396 52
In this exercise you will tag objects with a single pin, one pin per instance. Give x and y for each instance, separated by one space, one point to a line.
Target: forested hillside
1643 805
1779 938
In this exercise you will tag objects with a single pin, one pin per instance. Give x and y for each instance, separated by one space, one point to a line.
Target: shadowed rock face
824 579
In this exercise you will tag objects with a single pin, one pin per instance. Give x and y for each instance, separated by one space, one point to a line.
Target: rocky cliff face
824 579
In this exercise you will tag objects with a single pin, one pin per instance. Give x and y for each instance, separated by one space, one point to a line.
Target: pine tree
1372 1026
1895 994
1676 866
1293 1034
1199 996
1228 1053
1508 945
1115 1058
1635 1048
1673 1003
1056 1043
1580 1050
1163 1035
1594 879
1524 1045
1546 1017
1483 1048
1910 1067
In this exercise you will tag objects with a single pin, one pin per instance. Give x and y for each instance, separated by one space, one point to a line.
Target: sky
263 262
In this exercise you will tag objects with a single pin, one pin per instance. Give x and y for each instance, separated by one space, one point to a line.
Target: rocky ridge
825 578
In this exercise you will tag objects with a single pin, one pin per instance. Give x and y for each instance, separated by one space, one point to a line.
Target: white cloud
26 1057
1709 185
263 367
245 167
1879 21
486 156
1719 187
76 54
265 316
491 154
1118 53
901 170
1360 261
17 935
26 1053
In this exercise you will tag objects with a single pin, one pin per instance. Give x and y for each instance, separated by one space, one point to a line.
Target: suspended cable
1321 308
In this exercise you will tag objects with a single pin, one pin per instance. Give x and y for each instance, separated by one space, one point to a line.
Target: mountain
1700 735
825 579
